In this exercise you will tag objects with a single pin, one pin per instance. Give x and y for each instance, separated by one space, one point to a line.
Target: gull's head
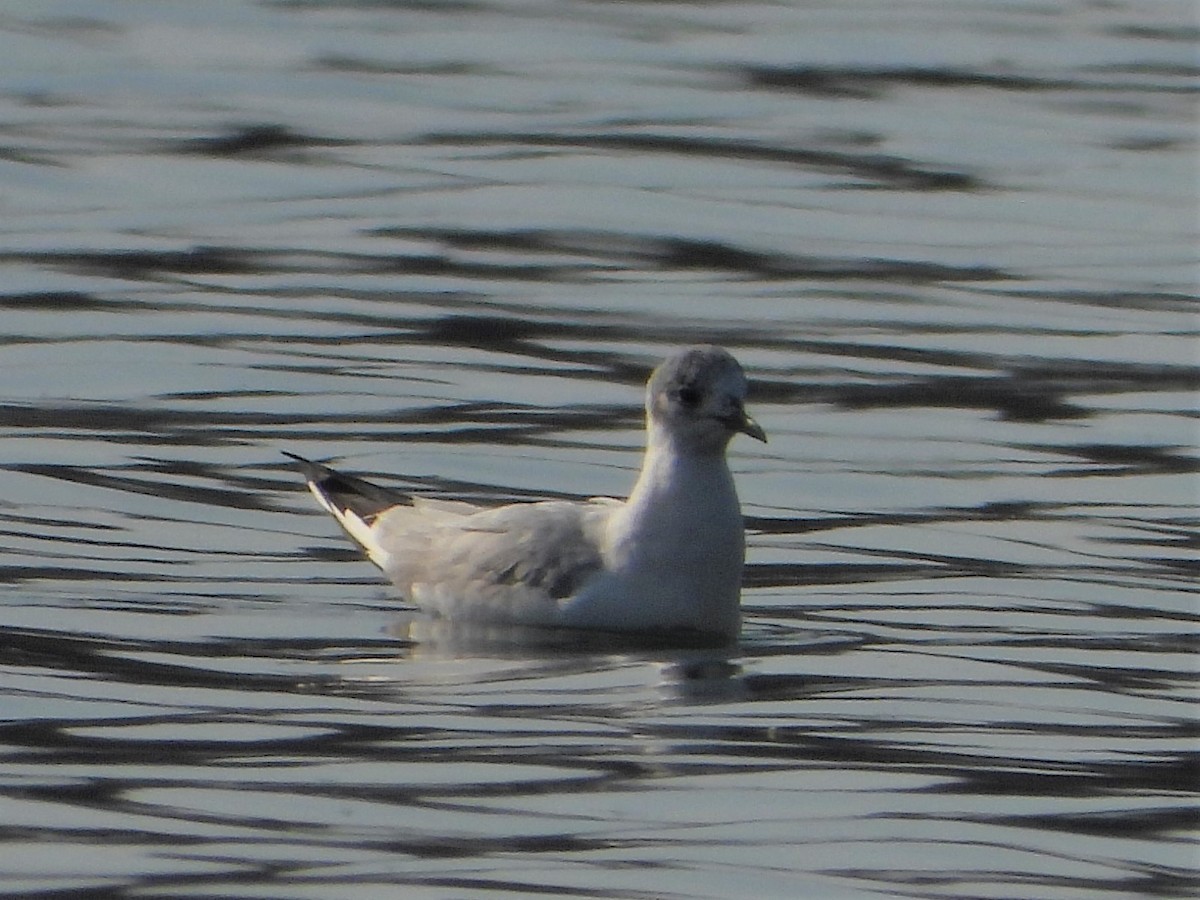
698 396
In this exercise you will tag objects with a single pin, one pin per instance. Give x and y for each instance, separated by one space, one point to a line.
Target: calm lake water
442 244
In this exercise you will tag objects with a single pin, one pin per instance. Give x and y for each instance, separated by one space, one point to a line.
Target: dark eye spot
688 396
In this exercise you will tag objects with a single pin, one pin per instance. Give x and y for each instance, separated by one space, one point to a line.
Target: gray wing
514 563
552 547
511 564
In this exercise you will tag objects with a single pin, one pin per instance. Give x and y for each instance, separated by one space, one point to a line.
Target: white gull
667 559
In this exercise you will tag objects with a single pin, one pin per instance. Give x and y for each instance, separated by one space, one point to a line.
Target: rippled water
442 243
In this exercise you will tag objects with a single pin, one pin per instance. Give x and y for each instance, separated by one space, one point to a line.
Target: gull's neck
677 546
679 486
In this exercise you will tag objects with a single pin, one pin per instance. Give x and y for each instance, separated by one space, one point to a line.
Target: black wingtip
312 471
345 491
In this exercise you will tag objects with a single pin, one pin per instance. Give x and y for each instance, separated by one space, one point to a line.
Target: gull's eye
688 396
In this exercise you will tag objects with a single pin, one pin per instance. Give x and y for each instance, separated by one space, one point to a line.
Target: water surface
443 244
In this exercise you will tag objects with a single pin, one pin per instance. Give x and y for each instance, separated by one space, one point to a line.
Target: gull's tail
355 503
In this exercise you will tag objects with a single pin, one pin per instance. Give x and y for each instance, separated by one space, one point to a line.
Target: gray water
442 244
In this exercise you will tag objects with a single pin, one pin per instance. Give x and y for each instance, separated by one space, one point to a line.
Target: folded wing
512 563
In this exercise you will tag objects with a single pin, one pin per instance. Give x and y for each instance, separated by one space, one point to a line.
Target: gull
668 559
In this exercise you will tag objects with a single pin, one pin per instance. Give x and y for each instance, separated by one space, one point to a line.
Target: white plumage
669 558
